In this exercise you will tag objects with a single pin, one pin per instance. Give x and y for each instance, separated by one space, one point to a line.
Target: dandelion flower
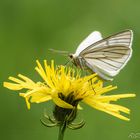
66 88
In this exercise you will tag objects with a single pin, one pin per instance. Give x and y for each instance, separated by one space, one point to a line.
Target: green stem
62 129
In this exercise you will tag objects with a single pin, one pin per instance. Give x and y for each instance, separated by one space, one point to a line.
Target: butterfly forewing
91 39
121 39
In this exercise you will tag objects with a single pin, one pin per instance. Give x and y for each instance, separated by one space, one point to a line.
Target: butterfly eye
70 56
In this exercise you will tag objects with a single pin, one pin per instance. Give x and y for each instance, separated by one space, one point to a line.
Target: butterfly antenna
67 63
65 53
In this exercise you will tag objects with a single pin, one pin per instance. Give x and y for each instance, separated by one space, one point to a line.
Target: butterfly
107 56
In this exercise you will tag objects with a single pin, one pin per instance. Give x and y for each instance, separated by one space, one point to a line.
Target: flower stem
62 129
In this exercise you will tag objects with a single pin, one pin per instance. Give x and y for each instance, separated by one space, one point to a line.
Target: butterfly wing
91 39
108 56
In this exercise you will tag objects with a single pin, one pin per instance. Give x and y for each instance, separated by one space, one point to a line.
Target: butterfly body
77 61
106 57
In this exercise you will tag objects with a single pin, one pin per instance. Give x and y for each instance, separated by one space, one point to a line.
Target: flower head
66 88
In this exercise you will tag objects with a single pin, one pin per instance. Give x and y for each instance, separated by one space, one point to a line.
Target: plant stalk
62 129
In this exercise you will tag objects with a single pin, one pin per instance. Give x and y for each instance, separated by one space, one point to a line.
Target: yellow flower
66 88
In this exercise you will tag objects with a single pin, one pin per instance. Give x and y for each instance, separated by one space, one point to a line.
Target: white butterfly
106 57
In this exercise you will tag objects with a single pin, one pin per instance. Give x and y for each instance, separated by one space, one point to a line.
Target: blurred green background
28 28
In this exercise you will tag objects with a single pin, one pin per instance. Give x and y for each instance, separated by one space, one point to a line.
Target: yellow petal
12 86
60 102
106 89
26 79
45 99
108 108
15 80
40 70
79 107
109 98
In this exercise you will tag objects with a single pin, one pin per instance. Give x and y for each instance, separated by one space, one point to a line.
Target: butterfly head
74 59
71 56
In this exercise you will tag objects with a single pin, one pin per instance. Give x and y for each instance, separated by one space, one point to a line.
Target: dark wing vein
109 64
107 42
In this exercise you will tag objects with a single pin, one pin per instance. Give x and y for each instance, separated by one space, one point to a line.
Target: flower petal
12 86
61 103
